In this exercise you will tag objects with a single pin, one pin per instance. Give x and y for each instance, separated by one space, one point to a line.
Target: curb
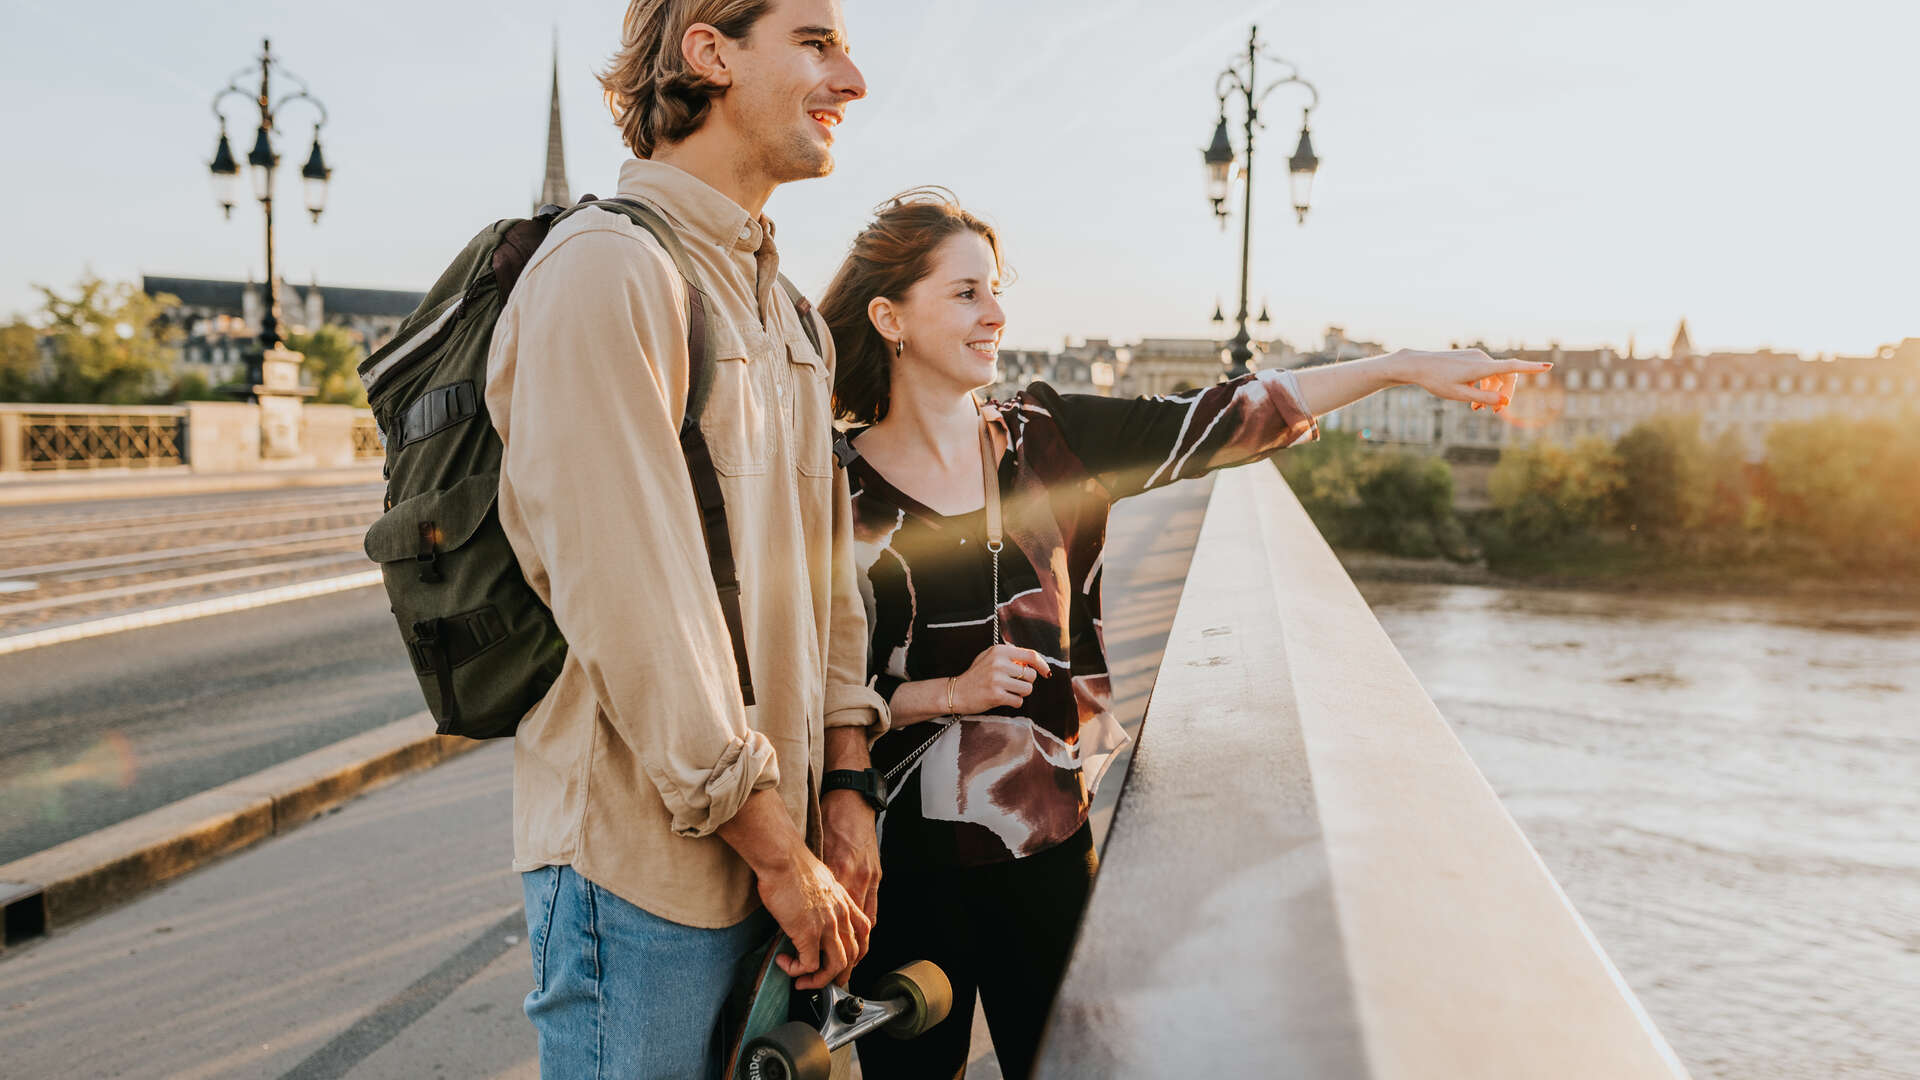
132 485
88 874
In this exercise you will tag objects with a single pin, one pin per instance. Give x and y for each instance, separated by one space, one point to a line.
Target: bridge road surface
386 940
98 730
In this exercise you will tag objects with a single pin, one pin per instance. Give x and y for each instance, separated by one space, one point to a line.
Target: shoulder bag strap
990 478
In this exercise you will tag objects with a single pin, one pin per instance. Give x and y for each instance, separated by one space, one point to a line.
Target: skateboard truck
906 1002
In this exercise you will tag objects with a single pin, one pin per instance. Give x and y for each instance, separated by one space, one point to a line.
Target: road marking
220 605
398 1013
18 586
122 592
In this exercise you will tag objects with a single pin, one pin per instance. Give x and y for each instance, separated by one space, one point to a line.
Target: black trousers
1005 930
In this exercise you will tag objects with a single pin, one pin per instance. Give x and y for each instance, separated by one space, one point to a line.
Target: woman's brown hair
886 259
654 97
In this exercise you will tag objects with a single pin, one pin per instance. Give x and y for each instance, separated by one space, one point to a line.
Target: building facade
1090 367
220 320
1158 367
1603 393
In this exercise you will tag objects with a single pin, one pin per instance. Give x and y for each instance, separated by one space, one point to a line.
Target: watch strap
864 781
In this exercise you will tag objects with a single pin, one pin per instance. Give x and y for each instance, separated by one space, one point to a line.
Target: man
662 827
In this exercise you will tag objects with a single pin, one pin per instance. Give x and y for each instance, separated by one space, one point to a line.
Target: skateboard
779 1033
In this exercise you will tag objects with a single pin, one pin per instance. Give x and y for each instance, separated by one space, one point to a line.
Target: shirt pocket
809 404
735 419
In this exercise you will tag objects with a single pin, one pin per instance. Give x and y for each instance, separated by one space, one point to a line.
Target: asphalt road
385 940
101 729
93 732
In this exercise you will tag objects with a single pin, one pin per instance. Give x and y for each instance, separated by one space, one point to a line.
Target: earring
900 347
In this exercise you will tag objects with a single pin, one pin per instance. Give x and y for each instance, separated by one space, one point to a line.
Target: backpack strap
693 441
805 307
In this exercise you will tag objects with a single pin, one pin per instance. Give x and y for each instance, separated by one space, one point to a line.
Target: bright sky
1507 170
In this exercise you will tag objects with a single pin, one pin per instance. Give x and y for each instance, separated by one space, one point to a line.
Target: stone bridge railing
1306 876
201 436
55 438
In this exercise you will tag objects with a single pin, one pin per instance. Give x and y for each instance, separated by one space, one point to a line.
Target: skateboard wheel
927 991
792 1051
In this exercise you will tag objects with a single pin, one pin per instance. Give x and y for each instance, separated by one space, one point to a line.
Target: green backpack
482 644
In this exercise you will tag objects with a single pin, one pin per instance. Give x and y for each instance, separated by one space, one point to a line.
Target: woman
992 660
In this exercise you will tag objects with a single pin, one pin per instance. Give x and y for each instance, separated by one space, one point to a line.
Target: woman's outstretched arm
1468 375
1137 444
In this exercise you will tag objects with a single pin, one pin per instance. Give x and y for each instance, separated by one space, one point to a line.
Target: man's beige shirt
643 747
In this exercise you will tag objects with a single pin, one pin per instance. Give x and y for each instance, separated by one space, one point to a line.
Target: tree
1546 492
107 344
1376 499
1406 508
1665 483
193 386
1324 474
1850 488
331 359
20 361
1731 504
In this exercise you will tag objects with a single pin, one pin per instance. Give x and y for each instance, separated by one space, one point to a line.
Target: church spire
554 189
1682 343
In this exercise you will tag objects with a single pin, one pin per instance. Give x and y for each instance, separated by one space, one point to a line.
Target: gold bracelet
952 681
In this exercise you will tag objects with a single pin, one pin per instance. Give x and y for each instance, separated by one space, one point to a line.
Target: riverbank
1628 571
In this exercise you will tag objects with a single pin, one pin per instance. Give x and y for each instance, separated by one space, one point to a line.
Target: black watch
864 781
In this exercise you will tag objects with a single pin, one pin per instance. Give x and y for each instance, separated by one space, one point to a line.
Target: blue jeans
619 994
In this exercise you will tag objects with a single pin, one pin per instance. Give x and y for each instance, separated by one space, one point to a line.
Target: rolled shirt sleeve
595 500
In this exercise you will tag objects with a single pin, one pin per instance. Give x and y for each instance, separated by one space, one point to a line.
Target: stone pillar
222 436
329 435
281 397
12 453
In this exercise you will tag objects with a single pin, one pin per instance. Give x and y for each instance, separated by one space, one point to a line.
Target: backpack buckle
843 452
428 558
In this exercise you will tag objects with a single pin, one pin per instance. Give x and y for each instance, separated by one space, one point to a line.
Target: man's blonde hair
655 98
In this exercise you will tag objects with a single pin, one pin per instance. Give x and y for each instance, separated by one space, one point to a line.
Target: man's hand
852 849
849 843
828 929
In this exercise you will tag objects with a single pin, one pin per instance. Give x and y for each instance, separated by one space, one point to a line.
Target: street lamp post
263 164
273 374
1242 76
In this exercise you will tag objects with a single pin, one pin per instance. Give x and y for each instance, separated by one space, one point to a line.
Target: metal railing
1306 875
366 439
46 438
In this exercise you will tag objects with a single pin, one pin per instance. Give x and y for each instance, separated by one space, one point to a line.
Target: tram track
66 564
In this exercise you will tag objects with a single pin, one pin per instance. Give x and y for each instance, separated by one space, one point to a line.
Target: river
1728 790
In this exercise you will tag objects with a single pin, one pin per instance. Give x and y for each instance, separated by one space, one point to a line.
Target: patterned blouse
1015 781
